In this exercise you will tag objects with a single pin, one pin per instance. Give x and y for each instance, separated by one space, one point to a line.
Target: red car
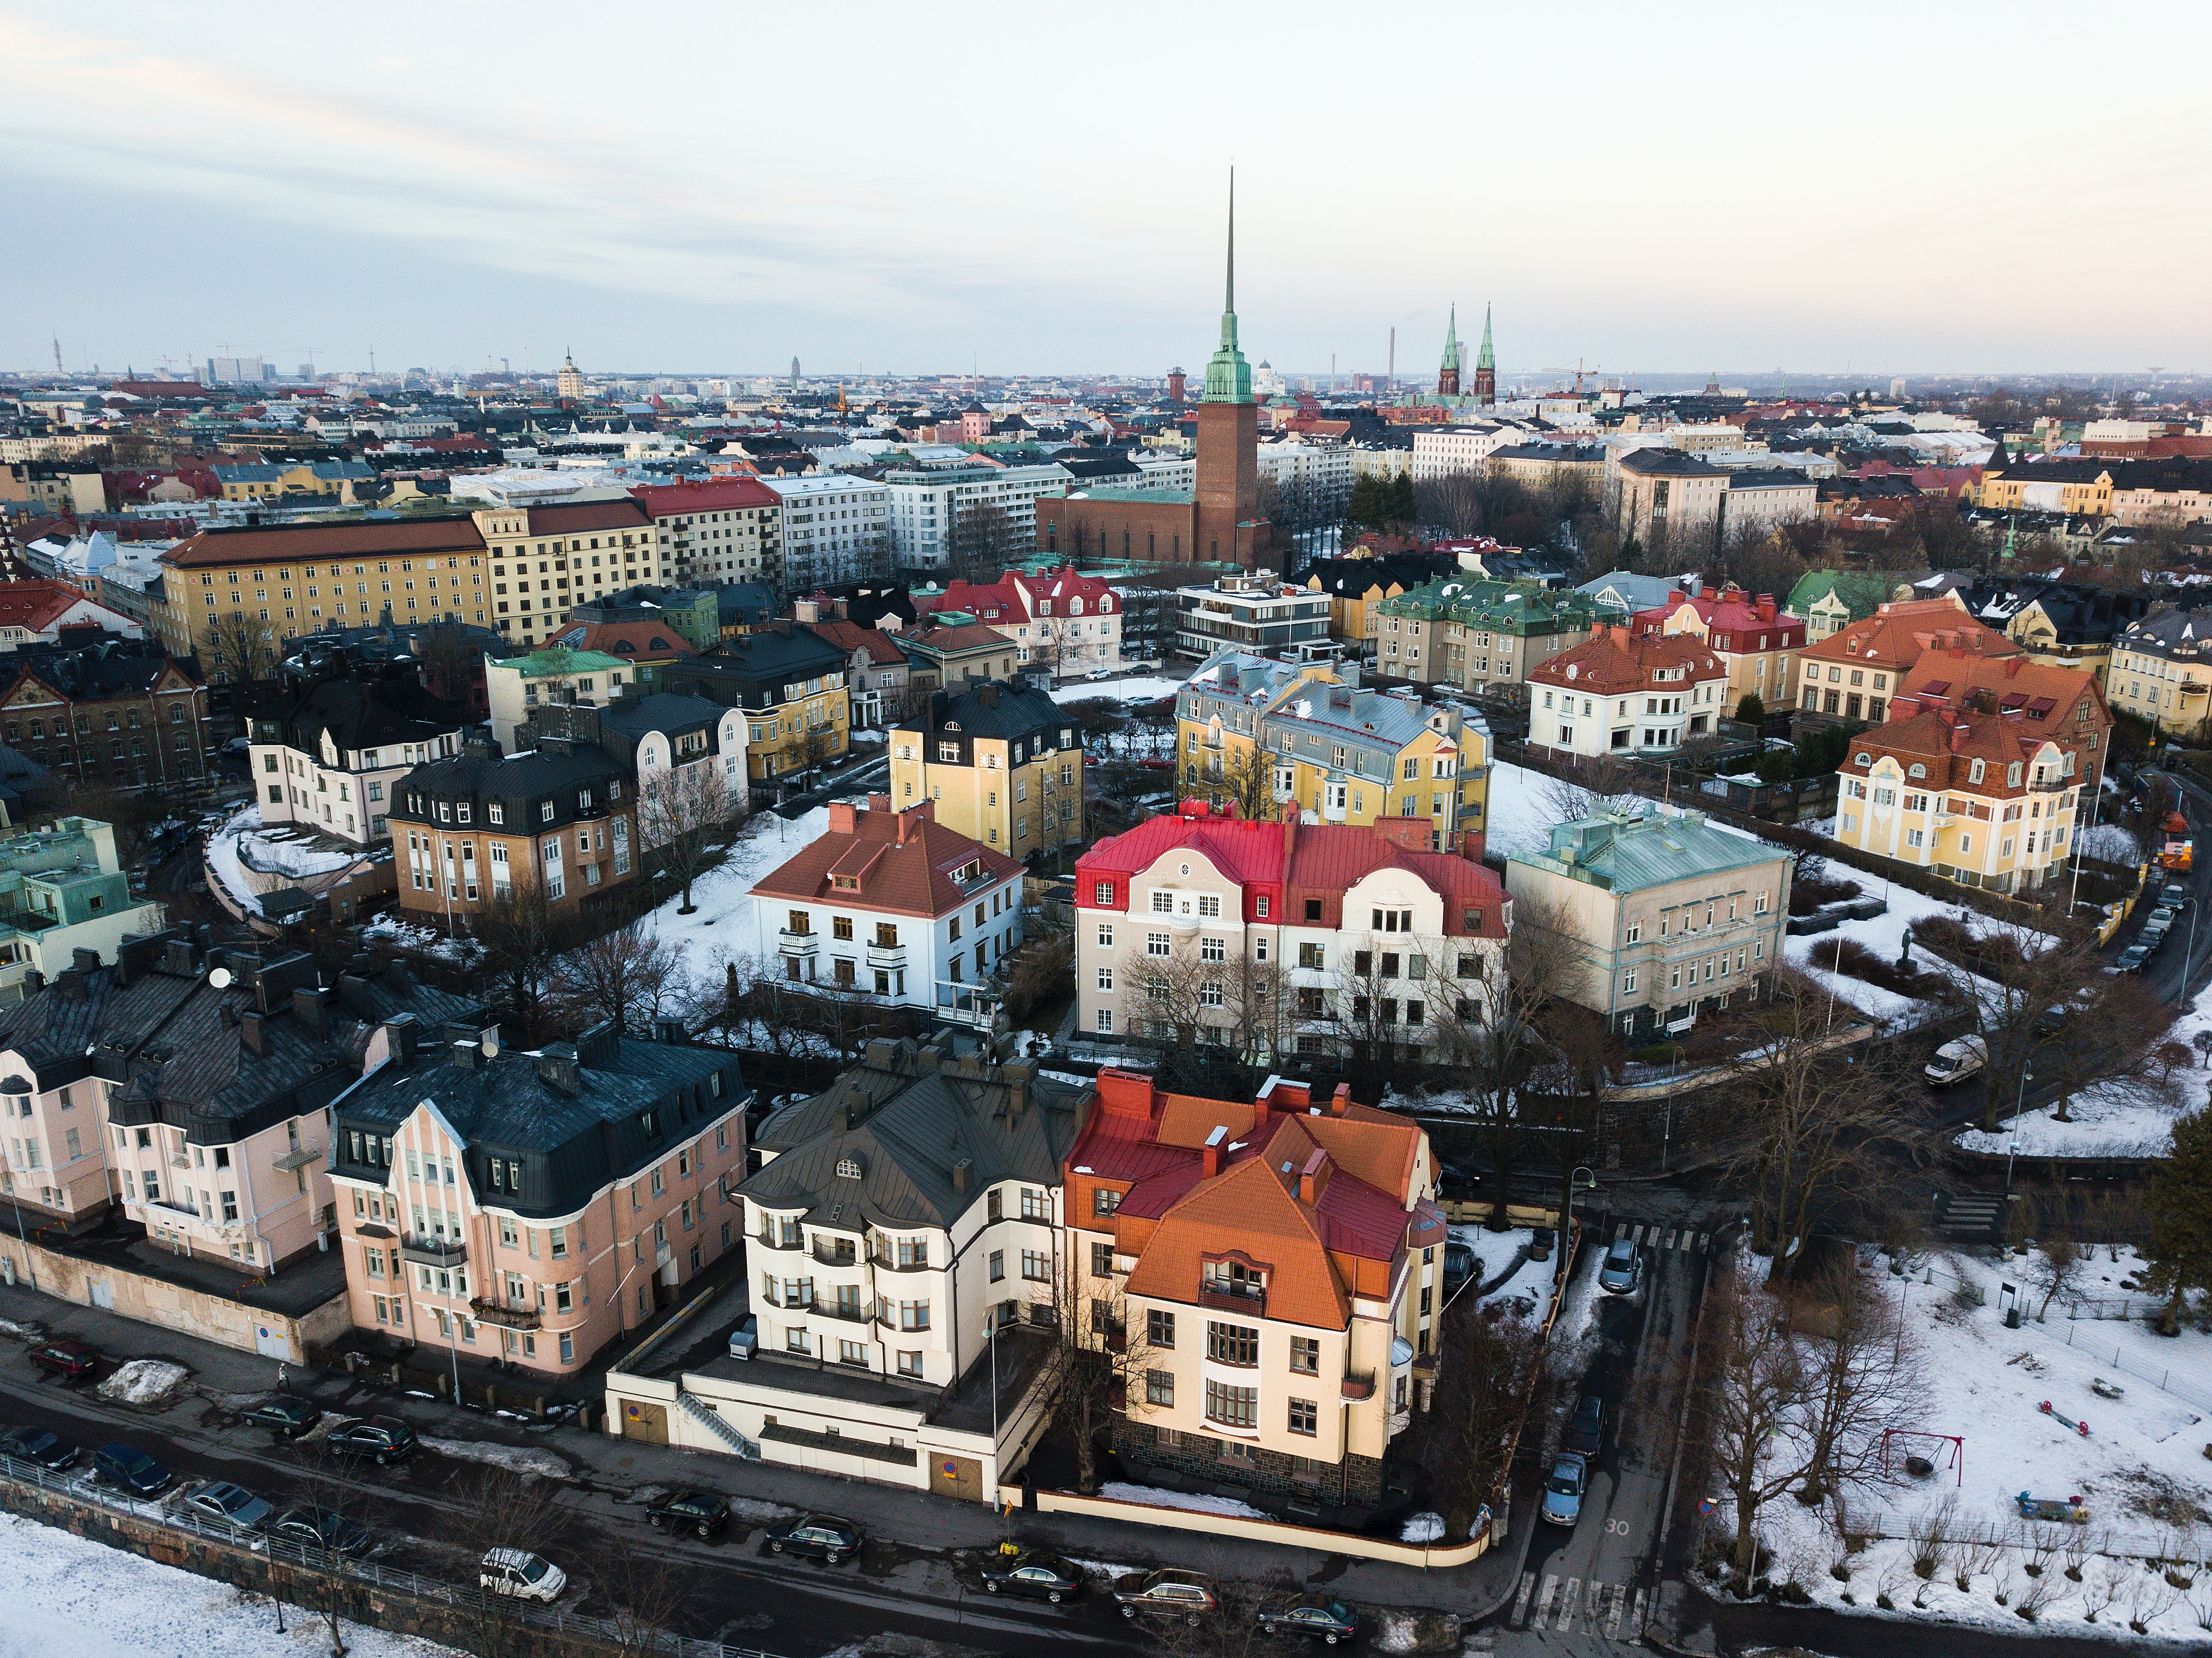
66 1358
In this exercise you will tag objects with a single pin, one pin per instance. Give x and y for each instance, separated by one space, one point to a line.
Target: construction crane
1579 370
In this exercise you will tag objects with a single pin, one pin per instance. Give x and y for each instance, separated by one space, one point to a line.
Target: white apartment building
330 757
836 528
1442 451
1162 470
1322 465
926 503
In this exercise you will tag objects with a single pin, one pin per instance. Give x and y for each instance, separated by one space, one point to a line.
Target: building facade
330 755
1756 643
112 716
836 528
1253 614
1854 673
716 530
927 503
1667 501
1000 762
2160 671
1622 693
790 682
64 893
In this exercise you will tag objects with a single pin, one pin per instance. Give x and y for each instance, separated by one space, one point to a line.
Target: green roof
1158 497
1626 853
541 665
1512 607
1863 591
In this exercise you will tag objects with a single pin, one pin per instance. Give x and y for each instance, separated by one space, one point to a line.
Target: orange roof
852 636
276 543
1945 743
898 862
1896 635
2048 692
1613 660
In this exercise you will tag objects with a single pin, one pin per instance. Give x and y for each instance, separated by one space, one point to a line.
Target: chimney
1212 1153
1018 1075
963 1171
464 1053
34 982
2012 667
1313 1177
842 816
253 1030
1766 607
989 693
83 960
879 802
1619 631
311 1006
556 1068
400 1031
1339 1100
69 984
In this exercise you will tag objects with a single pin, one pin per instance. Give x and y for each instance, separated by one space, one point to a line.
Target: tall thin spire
1228 291
1485 358
1228 376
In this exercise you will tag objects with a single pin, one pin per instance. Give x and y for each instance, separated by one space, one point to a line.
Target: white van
1955 1060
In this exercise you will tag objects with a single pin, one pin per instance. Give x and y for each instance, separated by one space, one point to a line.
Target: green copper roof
1228 376
1451 341
1157 497
1484 359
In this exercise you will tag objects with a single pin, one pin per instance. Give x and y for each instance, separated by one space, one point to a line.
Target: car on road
521 1574
386 1438
1048 1577
1586 1430
42 1446
835 1540
1100 673
1564 1487
2155 926
1170 1592
1955 1062
2133 959
320 1529
2175 896
702 1512
68 1359
1314 1614
127 1469
1624 1267
231 1504
285 1415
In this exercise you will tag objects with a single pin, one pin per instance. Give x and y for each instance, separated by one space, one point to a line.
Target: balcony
1361 1387
887 956
298 1157
836 1254
433 1251
797 944
1222 1298
507 1317
891 1263
851 1312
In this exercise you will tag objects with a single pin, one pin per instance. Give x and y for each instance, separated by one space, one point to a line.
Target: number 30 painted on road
1616 1528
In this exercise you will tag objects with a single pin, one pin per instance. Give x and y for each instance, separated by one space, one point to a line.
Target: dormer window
444 812
2011 776
461 812
1975 772
496 812
846 883
583 799
848 1169
1916 769
544 811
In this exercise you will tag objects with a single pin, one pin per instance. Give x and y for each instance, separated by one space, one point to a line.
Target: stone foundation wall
1356 1482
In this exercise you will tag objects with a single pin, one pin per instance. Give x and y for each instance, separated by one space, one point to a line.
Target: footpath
617 1467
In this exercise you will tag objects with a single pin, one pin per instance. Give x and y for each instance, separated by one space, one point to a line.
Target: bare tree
2057 1261
1862 1374
1244 779
522 938
1099 1360
648 1589
338 1503
1190 1001
626 976
682 812
1752 1429
1597 784
1484 1395
983 538
497 1509
239 648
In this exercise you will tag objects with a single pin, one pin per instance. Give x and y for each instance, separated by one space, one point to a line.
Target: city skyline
1627 192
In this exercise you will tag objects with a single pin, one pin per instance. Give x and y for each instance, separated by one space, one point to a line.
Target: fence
370 1574
2163 1380
2101 1539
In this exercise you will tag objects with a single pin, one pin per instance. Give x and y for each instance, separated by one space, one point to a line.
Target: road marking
1619 1230
1521 1602
1568 1596
1544 1600
1637 1630
1619 1606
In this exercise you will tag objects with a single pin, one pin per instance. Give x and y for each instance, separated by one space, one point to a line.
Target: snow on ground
516 1459
66 1594
723 927
247 859
1136 688
1530 1282
2140 1469
1422 1528
401 934
1884 934
144 1381
2111 842
1198 1502
222 858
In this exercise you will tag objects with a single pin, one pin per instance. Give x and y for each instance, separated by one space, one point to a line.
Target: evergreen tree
1367 505
1751 711
1402 509
2179 1206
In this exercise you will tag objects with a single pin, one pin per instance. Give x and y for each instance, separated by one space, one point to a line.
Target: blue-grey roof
1634 593
1623 852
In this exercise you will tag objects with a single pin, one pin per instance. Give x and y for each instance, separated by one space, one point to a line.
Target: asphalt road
1590 1590
734 1589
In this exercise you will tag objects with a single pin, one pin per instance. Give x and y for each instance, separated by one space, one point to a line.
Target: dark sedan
128 1468
824 1534
320 1529
1586 1432
1048 1577
386 1438
702 1512
39 1445
285 1415
1314 1615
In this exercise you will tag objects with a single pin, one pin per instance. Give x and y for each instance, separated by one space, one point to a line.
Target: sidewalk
609 1470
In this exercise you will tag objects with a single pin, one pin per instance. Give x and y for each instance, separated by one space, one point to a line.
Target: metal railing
386 1580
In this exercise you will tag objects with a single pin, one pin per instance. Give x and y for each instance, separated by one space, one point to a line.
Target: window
1305 1355
1106 938
1102 1259
1159 1329
1104 1202
1233 1407
1232 1344
1034 1266
913 1315
1305 1417
1035 1206
1157 944
1311 957
1159 1387
998 1265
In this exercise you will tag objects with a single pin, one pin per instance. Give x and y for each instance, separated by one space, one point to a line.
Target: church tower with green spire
1485 367
1447 374
1229 527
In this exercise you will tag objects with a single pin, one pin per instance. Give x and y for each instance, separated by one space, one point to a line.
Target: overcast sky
915 189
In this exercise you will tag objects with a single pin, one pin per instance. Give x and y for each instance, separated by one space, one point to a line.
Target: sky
713 189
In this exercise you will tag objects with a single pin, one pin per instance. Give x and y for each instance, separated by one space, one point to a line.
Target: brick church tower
1485 367
1447 374
1229 529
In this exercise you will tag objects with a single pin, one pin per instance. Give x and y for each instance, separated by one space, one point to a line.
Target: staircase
721 1430
1969 1215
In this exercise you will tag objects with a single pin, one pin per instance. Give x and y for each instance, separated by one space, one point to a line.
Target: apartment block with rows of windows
1268 1277
329 755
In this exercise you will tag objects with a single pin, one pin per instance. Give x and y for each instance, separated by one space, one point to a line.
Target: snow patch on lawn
1198 1502
515 1459
144 1381
1884 934
67 1593
1422 1528
722 929
1136 687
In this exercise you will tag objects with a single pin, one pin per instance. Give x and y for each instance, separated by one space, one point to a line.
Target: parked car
2175 896
285 1415
1046 1575
1586 1432
221 1499
41 1445
1542 1244
68 1359
1955 1062
2155 926
1460 1264
703 1512
1170 1592
128 1468
2133 959
386 1438
1313 1614
321 1529
520 1573
1624 1267
1564 1487
835 1540
1100 673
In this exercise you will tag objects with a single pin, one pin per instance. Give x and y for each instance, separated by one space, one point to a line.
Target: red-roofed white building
1274 938
1755 641
717 531
1061 620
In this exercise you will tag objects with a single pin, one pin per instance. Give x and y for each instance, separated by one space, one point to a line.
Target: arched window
1863 758
1916 769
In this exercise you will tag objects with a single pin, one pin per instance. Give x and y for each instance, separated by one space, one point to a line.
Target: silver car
1563 1488
1623 1269
231 1504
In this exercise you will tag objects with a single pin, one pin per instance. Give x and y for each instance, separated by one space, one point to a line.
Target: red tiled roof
718 495
570 518
1946 741
635 642
1244 850
902 863
852 636
1954 676
1613 660
1897 633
